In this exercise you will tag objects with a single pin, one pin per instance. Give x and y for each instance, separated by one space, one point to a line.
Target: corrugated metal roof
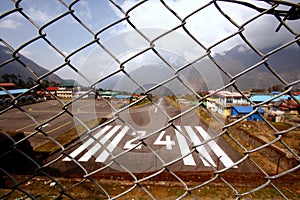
7 85
53 88
16 91
266 97
122 96
246 109
67 84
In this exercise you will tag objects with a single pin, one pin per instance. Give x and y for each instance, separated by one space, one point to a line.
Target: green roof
67 85
108 93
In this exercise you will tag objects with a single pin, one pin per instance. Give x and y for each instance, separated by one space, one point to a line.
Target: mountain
205 75
19 70
285 62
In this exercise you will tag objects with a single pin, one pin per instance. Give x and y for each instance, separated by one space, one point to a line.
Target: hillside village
273 106
230 105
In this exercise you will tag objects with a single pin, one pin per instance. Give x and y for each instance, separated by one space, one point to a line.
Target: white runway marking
130 143
104 155
158 104
216 148
201 149
167 142
98 144
94 145
184 148
87 144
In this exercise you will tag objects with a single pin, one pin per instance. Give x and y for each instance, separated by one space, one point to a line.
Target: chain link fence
144 102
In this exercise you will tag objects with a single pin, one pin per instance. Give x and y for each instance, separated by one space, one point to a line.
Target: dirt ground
44 188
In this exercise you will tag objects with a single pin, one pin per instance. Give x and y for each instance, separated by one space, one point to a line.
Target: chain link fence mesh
260 165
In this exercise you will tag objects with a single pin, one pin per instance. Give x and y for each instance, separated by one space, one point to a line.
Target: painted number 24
159 140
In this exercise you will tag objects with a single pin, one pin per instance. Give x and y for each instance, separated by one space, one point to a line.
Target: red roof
296 93
7 85
52 88
287 104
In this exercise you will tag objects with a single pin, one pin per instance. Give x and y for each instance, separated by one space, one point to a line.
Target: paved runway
140 139
137 142
46 116
168 145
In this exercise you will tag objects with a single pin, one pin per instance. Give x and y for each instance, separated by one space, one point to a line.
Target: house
289 105
223 101
65 90
259 98
240 111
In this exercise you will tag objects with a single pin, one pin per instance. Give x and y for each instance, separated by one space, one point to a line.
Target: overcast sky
208 26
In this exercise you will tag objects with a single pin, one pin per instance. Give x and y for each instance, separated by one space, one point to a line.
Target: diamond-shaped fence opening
149 99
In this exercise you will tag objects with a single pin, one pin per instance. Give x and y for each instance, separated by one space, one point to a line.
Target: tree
278 88
257 90
5 78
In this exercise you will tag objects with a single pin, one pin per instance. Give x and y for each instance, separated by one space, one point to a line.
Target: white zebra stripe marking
99 144
216 148
87 144
182 143
201 149
184 148
104 155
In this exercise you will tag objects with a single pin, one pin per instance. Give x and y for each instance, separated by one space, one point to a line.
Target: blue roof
246 109
266 97
15 91
119 96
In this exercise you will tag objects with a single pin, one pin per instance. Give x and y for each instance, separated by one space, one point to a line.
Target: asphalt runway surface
50 118
137 140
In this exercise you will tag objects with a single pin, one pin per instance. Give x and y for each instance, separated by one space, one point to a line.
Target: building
240 111
5 97
223 101
64 93
65 90
259 98
106 94
288 106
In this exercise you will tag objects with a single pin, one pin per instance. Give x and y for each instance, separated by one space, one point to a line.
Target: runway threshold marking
216 148
94 146
114 143
184 148
86 144
99 144
201 149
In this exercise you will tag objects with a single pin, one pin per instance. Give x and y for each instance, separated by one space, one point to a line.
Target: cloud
84 11
39 15
208 25
26 53
10 23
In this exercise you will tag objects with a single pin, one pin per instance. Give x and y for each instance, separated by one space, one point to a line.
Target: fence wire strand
33 167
